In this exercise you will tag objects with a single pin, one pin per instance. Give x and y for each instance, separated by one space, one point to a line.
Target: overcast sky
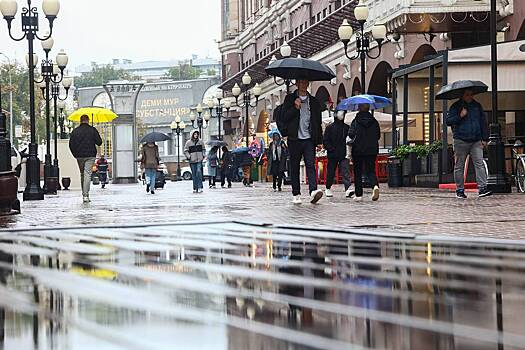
100 30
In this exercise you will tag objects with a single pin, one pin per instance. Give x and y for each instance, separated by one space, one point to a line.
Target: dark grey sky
99 30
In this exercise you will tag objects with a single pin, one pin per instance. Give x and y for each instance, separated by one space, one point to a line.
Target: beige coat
150 156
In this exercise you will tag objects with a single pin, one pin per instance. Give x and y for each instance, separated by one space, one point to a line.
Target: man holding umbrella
83 144
302 115
469 125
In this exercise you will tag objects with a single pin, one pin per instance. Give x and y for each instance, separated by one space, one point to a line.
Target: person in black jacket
302 115
365 134
277 155
83 144
226 167
335 145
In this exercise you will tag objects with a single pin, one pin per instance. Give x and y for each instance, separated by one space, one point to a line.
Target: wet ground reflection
239 286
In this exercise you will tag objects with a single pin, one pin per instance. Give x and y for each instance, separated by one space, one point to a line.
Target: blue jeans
196 175
150 177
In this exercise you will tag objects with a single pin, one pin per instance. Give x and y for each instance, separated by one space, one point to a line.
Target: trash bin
395 172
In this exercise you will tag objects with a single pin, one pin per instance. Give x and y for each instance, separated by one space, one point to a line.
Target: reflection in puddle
235 286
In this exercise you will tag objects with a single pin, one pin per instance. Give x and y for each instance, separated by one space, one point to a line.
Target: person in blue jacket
469 125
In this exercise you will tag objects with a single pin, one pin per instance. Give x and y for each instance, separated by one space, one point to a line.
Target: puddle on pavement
238 286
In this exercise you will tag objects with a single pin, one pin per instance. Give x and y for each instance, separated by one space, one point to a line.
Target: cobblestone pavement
419 211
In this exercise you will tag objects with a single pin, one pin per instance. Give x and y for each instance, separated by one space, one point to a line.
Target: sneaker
484 193
375 193
460 194
280 189
210 186
350 193
214 187
358 199
194 191
328 193
230 186
85 199
274 189
297 199
147 188
152 192
315 196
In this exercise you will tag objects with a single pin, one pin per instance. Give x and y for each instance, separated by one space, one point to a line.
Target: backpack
278 116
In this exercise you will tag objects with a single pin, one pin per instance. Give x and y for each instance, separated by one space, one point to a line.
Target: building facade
254 30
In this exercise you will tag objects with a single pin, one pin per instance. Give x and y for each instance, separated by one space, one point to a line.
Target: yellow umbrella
96 115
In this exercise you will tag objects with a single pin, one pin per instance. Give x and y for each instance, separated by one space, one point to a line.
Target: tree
100 75
212 72
184 71
20 87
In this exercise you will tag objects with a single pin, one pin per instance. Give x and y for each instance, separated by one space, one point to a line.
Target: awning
316 38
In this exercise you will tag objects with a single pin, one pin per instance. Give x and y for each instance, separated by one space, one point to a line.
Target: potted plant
414 159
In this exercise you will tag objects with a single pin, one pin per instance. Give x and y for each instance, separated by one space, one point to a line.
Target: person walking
277 155
365 134
226 167
302 116
195 152
102 170
469 126
334 142
150 162
83 143
213 163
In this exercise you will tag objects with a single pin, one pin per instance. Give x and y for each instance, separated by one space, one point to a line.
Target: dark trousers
277 176
369 164
302 149
211 180
344 170
226 174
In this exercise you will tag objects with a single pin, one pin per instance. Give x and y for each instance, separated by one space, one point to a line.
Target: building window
324 13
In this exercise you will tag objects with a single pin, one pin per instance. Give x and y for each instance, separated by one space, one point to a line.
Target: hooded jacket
334 140
194 150
471 128
292 117
282 160
83 141
365 133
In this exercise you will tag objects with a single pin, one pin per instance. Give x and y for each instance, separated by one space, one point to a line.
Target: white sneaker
297 199
375 193
350 193
358 199
328 193
86 199
315 196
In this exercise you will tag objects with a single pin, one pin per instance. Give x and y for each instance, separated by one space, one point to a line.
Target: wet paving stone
230 285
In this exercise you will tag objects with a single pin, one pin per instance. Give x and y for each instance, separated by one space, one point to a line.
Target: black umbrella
216 143
457 88
154 137
300 69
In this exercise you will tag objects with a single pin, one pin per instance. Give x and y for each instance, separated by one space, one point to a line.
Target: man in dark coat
226 167
302 115
365 134
83 144
469 124
335 145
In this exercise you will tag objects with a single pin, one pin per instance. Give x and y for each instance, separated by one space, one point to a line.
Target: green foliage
20 88
421 151
100 75
211 72
184 71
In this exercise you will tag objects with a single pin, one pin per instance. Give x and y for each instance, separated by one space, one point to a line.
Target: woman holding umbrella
213 163
150 159
150 162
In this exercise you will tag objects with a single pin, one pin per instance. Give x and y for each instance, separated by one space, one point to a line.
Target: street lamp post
9 8
55 94
52 75
219 104
61 107
498 181
285 51
363 39
199 119
236 91
178 127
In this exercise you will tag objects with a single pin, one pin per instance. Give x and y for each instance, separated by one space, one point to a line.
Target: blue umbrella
240 150
352 103
274 131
